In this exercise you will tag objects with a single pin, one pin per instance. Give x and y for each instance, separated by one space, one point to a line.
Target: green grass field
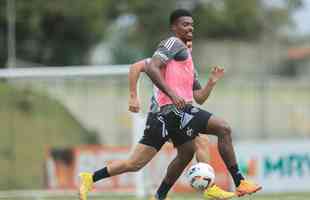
280 196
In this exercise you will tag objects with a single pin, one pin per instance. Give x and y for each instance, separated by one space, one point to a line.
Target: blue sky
302 19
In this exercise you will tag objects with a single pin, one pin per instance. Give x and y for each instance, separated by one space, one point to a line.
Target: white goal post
70 71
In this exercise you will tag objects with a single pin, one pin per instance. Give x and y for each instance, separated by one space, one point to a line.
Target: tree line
61 33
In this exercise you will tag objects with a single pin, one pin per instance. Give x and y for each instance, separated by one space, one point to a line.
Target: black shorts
184 125
155 134
179 126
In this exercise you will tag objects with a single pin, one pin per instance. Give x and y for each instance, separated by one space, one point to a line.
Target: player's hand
178 101
217 73
134 105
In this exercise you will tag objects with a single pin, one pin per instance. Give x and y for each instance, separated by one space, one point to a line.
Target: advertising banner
63 167
278 165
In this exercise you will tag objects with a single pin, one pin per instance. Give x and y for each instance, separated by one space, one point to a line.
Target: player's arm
202 94
133 77
166 51
152 69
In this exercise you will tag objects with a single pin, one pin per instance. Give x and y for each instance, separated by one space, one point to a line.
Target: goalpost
83 90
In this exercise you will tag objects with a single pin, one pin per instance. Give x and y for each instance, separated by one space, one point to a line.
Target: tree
220 19
152 22
3 38
57 32
242 19
62 32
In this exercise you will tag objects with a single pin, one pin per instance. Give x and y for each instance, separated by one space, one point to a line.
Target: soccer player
155 136
201 141
171 69
134 103
153 139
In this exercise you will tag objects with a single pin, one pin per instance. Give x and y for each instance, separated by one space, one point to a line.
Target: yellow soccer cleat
216 193
247 187
86 184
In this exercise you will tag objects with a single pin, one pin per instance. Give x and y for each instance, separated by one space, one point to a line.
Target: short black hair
176 14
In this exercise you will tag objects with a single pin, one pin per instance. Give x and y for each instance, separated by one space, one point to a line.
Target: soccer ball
200 176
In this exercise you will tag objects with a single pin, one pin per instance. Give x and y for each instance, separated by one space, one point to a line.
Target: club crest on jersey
189 132
186 118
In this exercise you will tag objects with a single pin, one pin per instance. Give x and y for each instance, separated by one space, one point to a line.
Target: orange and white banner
63 167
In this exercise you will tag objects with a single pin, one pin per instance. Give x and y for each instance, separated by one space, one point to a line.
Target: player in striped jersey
171 69
200 142
134 102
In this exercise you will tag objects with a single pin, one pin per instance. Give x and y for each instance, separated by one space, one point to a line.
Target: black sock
101 174
236 174
162 190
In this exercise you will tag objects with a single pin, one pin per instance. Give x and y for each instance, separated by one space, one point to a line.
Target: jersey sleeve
196 85
167 49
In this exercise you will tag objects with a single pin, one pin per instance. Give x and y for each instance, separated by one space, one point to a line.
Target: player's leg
182 140
201 148
220 128
188 133
213 192
185 154
147 148
138 159
141 155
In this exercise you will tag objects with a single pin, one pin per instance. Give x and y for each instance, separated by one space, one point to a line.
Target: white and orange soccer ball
200 176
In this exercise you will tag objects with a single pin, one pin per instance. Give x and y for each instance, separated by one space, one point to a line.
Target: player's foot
247 187
86 184
216 193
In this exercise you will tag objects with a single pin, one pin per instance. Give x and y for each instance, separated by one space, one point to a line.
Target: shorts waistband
166 109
